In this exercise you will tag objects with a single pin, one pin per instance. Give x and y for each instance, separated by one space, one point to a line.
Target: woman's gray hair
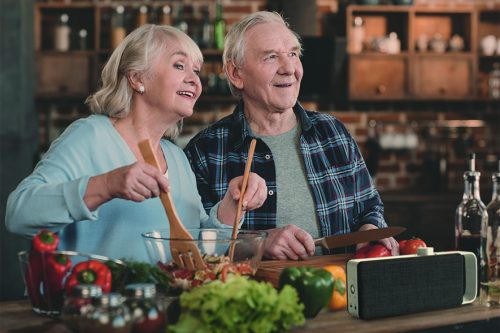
234 44
137 54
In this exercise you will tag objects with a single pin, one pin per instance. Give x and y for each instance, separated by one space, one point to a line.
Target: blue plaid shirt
342 188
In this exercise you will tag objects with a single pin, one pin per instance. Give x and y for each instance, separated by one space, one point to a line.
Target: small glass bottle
494 81
180 22
142 16
148 314
470 216
118 31
207 30
62 33
357 35
490 242
109 314
79 304
166 15
219 27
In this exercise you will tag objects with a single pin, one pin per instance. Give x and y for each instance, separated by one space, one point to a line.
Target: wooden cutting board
270 270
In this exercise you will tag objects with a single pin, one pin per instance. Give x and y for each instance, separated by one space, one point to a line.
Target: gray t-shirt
295 204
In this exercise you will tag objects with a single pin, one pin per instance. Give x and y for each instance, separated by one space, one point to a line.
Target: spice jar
148 313
79 304
109 314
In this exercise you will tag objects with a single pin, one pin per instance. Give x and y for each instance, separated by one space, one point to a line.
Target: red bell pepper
44 241
57 266
90 272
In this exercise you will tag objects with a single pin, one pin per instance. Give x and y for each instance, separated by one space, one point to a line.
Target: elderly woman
94 187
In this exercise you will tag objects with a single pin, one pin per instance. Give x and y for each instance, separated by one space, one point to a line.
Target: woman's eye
197 72
179 66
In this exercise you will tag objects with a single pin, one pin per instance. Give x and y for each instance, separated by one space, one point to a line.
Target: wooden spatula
246 174
185 254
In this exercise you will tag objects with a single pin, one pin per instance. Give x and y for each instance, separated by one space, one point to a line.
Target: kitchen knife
356 237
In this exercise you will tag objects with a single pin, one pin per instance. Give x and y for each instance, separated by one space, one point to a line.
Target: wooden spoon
185 253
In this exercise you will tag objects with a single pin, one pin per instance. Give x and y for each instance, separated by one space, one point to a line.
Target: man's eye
179 66
293 54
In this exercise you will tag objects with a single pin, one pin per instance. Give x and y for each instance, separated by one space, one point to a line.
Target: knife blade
356 237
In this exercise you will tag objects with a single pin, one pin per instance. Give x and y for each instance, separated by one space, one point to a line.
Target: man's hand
289 242
389 242
254 197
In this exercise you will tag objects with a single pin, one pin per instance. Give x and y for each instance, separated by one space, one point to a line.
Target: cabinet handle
442 91
381 89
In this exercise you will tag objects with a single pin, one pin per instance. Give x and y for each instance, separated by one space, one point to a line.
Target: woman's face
174 85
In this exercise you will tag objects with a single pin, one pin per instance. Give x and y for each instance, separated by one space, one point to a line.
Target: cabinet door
382 78
62 74
443 77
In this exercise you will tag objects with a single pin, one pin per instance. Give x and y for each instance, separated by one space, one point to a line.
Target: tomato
339 295
372 251
411 246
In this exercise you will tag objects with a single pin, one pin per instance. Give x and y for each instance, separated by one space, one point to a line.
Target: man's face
271 73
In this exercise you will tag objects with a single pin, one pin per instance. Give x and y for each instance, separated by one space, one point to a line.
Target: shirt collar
241 131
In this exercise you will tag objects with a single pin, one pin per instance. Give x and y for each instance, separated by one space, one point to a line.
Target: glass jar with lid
109 314
148 313
78 304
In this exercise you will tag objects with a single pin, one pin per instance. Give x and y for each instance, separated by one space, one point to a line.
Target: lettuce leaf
238 305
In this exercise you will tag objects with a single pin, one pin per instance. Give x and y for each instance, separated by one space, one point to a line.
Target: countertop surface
17 317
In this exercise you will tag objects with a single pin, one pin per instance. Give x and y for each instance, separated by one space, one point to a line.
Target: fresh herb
138 272
238 305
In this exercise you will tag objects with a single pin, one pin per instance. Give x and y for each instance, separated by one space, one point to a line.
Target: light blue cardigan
52 196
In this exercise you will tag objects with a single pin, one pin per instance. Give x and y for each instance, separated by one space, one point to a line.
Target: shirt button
271 192
268 156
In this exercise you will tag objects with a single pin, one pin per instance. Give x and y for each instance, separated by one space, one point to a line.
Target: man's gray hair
234 44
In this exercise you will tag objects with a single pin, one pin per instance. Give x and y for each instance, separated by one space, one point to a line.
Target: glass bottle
118 31
142 16
357 35
219 27
79 304
109 314
470 216
490 242
166 15
148 314
62 33
180 22
494 81
207 30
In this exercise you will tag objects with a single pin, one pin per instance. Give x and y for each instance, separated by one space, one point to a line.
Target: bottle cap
87 290
140 290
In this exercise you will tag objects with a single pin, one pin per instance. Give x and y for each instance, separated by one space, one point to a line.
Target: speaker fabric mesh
406 285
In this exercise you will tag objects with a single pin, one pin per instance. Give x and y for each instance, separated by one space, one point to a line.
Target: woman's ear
136 82
233 74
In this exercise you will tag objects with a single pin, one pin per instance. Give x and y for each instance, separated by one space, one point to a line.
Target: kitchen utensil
185 254
331 242
246 174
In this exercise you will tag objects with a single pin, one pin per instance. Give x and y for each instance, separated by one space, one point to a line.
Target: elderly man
317 181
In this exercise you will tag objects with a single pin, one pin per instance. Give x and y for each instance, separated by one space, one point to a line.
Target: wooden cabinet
427 66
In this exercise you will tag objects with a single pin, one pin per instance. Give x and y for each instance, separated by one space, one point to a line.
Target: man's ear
135 81
233 74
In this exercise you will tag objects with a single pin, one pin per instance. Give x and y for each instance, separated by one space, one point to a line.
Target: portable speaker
381 287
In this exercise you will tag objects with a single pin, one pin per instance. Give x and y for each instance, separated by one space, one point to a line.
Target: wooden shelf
413 75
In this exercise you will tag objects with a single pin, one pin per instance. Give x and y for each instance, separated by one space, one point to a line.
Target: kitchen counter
17 317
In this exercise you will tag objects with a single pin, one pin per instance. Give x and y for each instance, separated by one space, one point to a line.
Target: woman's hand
255 196
136 182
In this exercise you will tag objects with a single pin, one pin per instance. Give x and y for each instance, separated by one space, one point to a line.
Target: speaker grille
406 285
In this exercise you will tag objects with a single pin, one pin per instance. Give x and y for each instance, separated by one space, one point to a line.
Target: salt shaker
108 315
79 304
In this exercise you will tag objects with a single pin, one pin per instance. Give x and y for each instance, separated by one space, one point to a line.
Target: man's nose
287 66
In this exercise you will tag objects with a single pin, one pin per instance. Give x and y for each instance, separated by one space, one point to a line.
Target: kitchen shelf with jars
427 53
74 39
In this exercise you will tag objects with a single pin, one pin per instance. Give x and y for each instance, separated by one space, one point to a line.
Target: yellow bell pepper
338 301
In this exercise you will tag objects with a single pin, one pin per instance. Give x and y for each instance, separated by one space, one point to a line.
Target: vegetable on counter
410 246
238 305
338 300
314 286
90 272
372 251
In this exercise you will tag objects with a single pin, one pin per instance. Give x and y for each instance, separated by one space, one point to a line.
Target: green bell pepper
314 286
